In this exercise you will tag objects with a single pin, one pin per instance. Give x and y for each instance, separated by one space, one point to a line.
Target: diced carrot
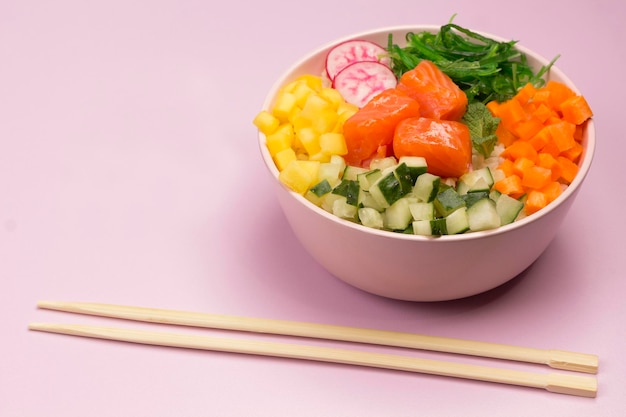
542 112
579 132
551 148
552 191
511 185
559 92
525 93
573 153
542 96
562 133
520 149
535 201
545 160
511 113
528 128
542 130
521 165
575 110
540 139
536 177
493 106
569 169
507 167
505 136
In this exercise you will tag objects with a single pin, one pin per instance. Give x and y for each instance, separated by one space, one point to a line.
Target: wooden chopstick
558 359
584 386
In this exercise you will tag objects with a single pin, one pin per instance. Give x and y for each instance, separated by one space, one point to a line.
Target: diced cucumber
313 198
426 187
494 194
422 211
474 196
330 172
383 163
321 188
448 201
415 164
387 189
438 227
508 208
422 227
368 178
352 172
348 189
328 200
398 216
367 200
370 217
478 179
457 222
405 177
342 208
483 215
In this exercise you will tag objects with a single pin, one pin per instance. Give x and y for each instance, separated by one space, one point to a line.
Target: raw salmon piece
438 96
445 144
369 132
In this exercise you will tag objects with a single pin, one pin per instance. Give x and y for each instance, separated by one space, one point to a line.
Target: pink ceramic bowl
412 267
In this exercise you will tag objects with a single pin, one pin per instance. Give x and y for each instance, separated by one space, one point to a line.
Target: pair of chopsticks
585 386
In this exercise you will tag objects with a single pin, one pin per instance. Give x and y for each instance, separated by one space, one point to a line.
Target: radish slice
349 52
358 83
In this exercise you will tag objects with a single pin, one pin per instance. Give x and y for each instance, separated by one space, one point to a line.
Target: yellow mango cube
266 122
333 96
314 105
302 91
309 139
284 106
312 81
297 176
281 139
325 121
312 167
333 143
347 107
320 156
284 158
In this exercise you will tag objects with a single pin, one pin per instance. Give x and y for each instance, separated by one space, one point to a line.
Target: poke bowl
386 248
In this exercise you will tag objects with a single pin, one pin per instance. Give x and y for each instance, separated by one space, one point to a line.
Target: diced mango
312 81
304 132
333 144
302 91
284 106
281 139
314 106
333 96
325 121
266 122
284 158
296 177
309 139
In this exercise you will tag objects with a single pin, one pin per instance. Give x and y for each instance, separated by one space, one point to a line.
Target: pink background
130 174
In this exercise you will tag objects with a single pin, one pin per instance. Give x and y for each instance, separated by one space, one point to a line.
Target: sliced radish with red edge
349 52
359 82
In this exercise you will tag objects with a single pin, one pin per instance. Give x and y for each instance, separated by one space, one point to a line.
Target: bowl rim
584 166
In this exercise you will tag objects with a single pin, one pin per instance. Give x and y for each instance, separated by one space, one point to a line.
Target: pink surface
129 173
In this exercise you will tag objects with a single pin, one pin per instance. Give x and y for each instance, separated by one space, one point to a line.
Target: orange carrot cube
536 177
569 169
575 110
536 201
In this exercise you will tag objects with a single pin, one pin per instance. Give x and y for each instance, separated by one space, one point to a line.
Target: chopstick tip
47 304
